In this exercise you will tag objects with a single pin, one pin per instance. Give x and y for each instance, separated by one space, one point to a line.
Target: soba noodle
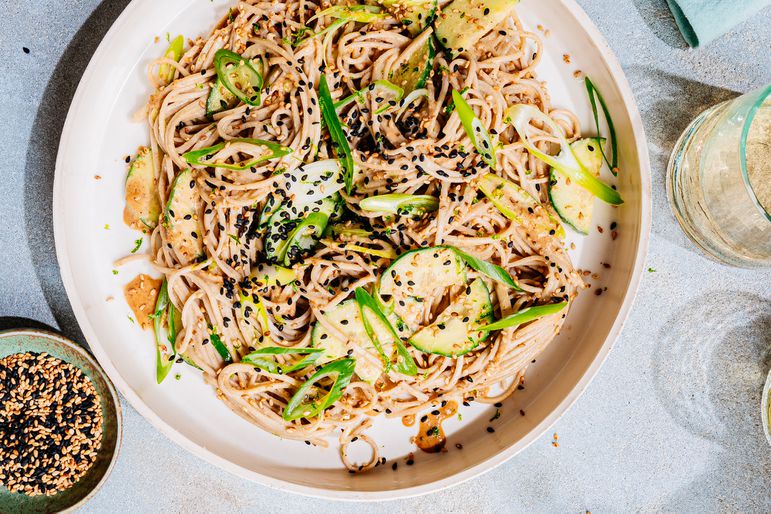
411 149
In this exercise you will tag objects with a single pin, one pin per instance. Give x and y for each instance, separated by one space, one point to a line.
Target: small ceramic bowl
28 340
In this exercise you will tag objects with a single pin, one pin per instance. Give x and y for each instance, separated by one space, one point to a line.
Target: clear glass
719 180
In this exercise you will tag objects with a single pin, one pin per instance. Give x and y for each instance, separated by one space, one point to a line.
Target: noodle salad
358 210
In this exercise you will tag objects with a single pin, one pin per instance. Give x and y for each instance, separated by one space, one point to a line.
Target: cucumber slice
220 99
453 334
517 204
573 203
312 182
346 317
142 204
416 15
419 272
183 228
413 67
464 22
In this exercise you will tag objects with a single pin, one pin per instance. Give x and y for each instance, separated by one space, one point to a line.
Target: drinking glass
719 180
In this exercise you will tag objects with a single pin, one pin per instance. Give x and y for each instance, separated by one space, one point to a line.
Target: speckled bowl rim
625 304
764 407
110 387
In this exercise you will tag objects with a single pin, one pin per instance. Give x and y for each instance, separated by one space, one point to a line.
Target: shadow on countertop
41 160
709 372
668 103
658 18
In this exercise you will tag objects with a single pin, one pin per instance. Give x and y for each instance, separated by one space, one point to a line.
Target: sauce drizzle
431 438
141 295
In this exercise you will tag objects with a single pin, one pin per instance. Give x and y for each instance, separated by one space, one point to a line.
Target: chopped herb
137 245
651 270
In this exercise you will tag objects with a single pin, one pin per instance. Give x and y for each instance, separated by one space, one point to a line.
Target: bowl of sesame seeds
60 423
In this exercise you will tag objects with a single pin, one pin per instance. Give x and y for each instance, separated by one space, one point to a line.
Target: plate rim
483 466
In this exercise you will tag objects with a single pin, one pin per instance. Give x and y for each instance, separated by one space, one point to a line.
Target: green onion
220 346
315 222
525 316
404 362
396 91
493 271
230 66
163 361
332 121
396 203
521 115
592 91
476 132
203 156
166 72
388 253
174 321
359 13
344 14
342 230
257 358
300 407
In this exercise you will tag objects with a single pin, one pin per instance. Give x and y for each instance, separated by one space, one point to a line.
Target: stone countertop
670 423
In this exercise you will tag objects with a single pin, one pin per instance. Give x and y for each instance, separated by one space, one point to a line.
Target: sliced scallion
308 401
594 92
475 130
203 156
526 315
395 94
261 358
163 359
404 361
239 76
521 115
488 269
335 128
166 72
401 204
218 345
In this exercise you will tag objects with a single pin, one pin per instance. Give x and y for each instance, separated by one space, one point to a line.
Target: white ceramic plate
99 133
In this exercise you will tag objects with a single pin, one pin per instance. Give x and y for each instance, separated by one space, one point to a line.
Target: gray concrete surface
670 423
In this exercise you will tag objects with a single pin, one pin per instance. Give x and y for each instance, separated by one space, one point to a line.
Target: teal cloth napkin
701 21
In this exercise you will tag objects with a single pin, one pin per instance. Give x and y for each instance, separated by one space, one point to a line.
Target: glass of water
719 180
